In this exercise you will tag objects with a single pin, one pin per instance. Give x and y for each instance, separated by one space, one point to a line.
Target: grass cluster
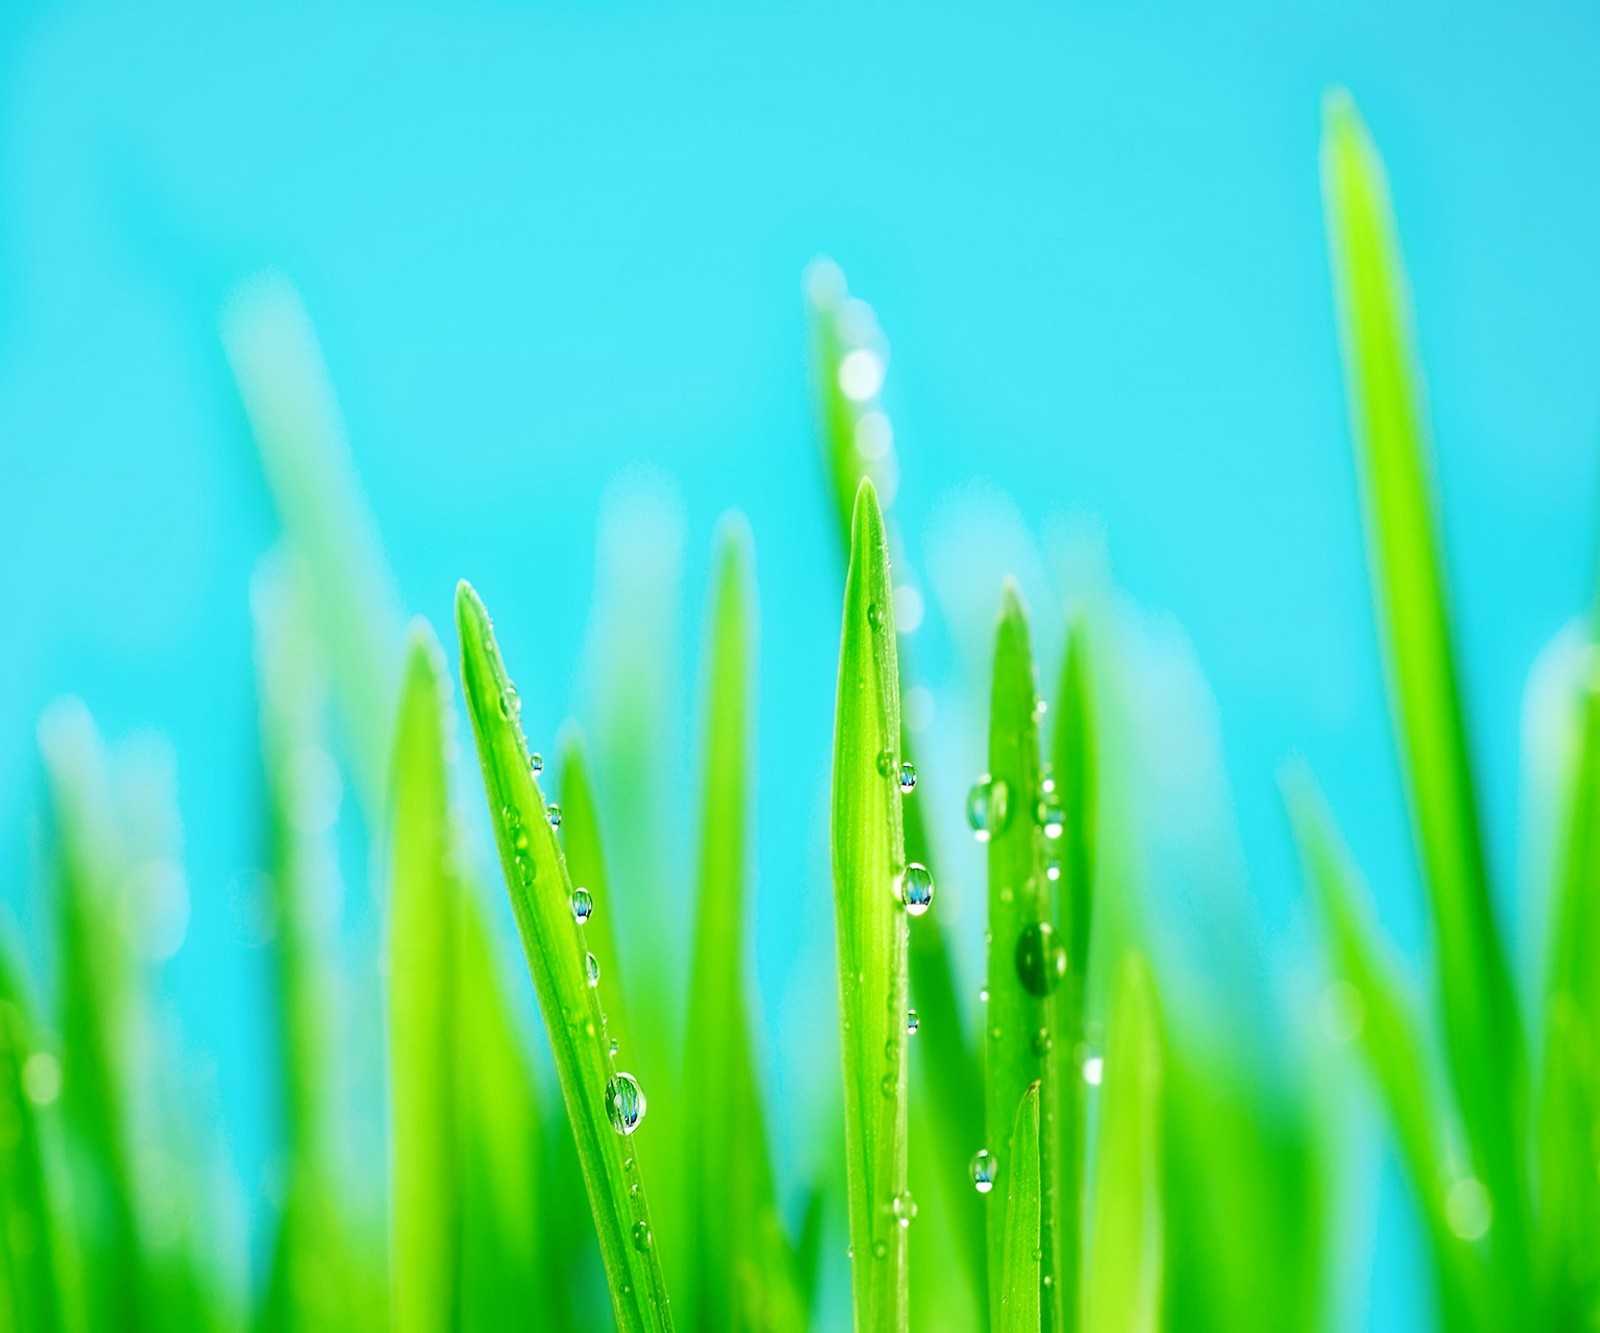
1067 1153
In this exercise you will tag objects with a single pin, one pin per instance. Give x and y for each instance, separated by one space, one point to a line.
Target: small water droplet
880 1249
536 763
1052 818
510 703
885 763
994 1033
613 1046
1042 1042
1094 1069
890 1085
520 839
983 1170
641 1235
916 889
874 615
552 812
983 995
591 968
582 905
988 807
1041 958
625 1104
908 779
912 1022
904 1208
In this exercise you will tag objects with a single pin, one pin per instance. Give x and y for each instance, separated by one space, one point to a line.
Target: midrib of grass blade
1019 1278
30 1286
1391 1039
1073 764
1483 1035
94 990
423 921
868 860
1123 1291
1024 952
541 898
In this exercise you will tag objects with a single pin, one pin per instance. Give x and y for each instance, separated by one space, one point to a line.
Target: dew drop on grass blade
604 1104
1483 1037
871 926
1019 1277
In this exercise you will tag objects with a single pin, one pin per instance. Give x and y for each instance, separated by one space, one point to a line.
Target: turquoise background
543 245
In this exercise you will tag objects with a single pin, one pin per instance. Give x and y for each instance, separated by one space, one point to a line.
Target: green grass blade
1483 1036
1123 1291
1019 1280
1390 1036
424 909
1027 961
541 897
1077 787
868 863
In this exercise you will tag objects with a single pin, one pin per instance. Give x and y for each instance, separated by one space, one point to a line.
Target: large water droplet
510 703
582 905
904 1208
641 1235
1094 1070
536 763
874 615
552 812
1041 958
985 1167
916 889
625 1104
912 1022
591 969
908 779
988 807
1052 818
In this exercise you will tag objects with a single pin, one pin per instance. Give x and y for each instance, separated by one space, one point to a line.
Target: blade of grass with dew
857 440
1073 765
604 1105
732 1212
1019 1278
31 1289
1026 960
1391 1037
424 909
1483 1035
869 873
1126 1241
94 988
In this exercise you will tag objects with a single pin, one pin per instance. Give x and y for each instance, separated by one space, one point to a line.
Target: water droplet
1052 818
880 1249
641 1235
988 807
582 905
983 995
613 1046
994 1033
536 763
1042 1042
983 1170
904 1208
908 779
552 812
916 889
1041 958
885 763
520 839
1094 1069
890 1085
510 703
625 1104
912 1022
874 615
591 968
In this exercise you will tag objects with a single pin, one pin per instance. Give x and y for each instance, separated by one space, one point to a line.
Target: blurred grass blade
1019 1278
1123 1291
1026 960
424 907
868 864
290 402
1391 1037
1073 764
596 1094
733 1216
1483 1035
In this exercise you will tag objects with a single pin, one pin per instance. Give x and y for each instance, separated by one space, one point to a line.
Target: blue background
543 245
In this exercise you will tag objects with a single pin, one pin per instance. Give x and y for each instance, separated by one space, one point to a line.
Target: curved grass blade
424 909
1077 787
1483 1036
868 864
541 897
1019 1278
1026 960
1392 1040
1123 1291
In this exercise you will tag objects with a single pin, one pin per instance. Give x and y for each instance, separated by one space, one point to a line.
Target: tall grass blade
425 1209
597 1095
1020 1276
1027 960
1123 1292
1483 1037
868 865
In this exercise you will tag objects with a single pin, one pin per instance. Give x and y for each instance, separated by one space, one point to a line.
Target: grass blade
1020 1275
424 907
868 865
1483 1037
1026 960
1123 1294
541 897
